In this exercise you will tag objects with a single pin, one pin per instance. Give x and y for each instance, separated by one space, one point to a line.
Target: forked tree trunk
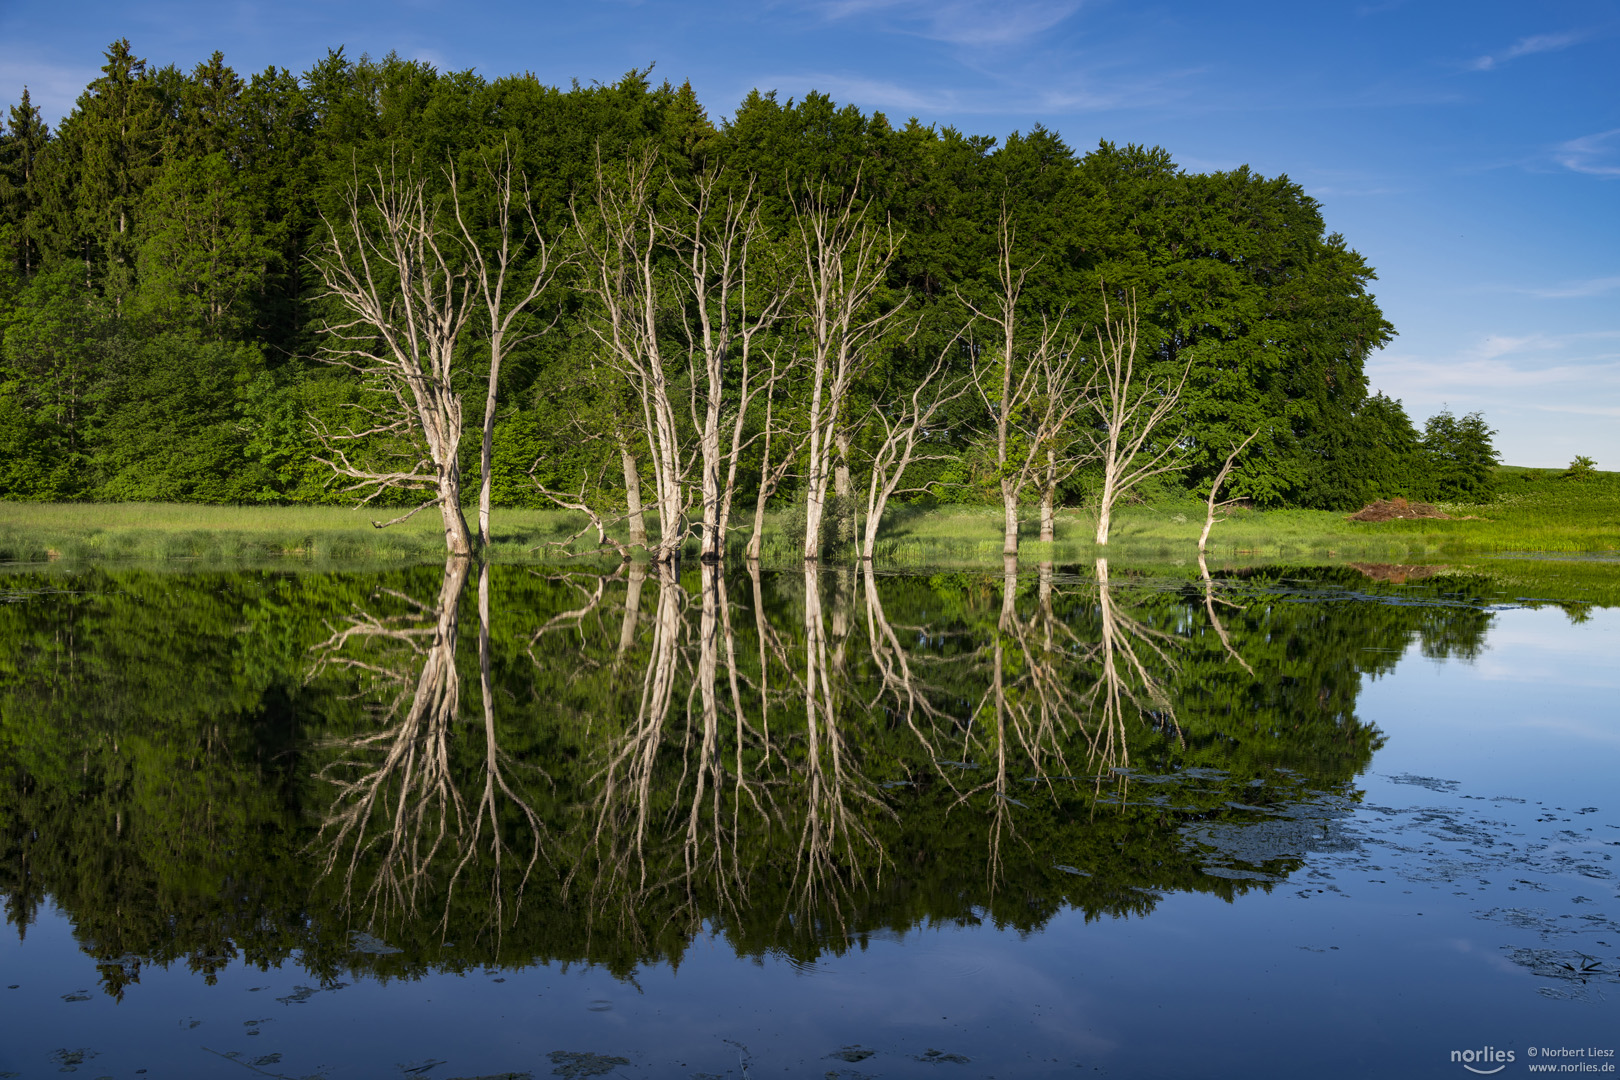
457 538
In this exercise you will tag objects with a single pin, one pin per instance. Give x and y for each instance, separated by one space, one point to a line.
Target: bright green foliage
202 256
190 204
1460 462
175 436
58 340
1582 468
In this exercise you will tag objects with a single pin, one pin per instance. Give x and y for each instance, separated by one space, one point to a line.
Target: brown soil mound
1393 509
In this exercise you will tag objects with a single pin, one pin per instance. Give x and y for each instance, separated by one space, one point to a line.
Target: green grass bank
1534 512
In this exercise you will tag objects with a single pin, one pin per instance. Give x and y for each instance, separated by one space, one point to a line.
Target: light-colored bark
1132 410
1214 503
385 264
632 498
1029 390
730 304
505 290
727 298
904 426
619 241
845 259
1049 498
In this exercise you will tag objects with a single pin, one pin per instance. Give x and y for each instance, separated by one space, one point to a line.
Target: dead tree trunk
729 303
1028 391
632 498
491 270
385 264
845 260
618 244
902 432
1132 409
1214 503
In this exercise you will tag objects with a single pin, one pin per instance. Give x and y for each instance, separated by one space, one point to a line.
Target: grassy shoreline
1535 513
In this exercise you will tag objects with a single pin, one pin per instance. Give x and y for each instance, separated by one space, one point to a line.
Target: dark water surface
452 822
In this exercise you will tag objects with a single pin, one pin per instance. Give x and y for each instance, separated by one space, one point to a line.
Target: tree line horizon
298 288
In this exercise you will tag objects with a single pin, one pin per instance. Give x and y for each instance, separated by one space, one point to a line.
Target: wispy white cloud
874 93
1529 46
1558 364
1575 290
986 94
1581 410
1598 155
959 22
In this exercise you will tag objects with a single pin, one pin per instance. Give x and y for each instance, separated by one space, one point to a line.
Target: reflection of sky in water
1441 928
1539 709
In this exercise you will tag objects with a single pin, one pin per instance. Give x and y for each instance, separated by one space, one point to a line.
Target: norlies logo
1487 1056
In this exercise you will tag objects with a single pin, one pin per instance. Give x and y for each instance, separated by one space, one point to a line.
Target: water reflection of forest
441 769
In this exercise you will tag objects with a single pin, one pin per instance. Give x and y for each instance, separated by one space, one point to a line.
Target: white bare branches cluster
725 348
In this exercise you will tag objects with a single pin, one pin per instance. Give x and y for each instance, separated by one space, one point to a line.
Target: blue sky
1470 150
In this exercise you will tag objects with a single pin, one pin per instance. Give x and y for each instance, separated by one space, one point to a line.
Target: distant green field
1535 512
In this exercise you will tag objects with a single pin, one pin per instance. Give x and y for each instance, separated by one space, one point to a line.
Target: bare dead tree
385 262
724 295
619 241
1029 390
509 279
1131 410
905 425
771 472
1212 506
732 297
846 258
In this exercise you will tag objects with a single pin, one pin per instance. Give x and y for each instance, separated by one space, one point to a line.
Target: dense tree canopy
162 313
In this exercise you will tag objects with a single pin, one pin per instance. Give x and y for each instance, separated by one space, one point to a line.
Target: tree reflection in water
401 802
708 785
396 797
794 759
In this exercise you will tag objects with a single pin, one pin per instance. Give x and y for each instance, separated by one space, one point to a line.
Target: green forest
375 280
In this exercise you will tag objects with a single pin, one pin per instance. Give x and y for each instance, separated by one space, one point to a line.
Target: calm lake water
451 822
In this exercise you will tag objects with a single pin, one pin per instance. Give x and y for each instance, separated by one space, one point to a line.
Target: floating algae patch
1286 834
362 942
852 1054
937 1057
1432 783
70 1060
571 1063
1579 975
302 994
